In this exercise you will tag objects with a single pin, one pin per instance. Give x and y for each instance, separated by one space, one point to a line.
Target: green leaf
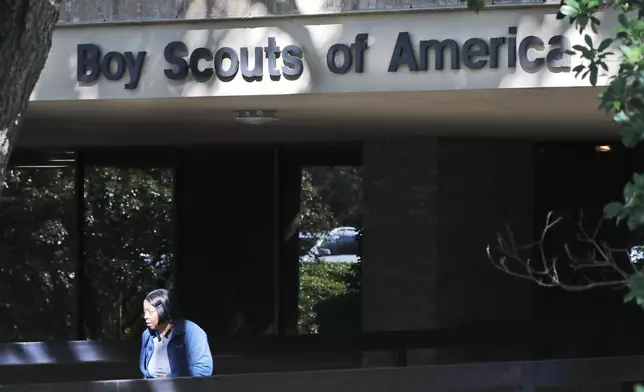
568 10
637 25
588 40
629 137
638 180
628 193
635 288
623 20
475 5
632 225
618 85
626 50
593 76
585 52
604 44
612 210
636 104
582 20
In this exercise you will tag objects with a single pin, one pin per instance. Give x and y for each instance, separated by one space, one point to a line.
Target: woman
172 346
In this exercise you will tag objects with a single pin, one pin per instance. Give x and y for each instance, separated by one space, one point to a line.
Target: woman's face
150 315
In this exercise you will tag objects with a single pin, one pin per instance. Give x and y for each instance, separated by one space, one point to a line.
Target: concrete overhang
491 101
552 113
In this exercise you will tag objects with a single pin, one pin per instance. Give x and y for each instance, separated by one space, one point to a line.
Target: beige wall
315 35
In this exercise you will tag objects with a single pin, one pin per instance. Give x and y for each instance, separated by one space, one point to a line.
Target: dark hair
165 303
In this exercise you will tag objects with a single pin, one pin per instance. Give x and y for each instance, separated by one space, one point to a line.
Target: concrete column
432 206
399 249
483 185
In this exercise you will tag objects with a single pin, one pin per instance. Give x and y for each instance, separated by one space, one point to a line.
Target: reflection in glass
329 241
129 245
37 300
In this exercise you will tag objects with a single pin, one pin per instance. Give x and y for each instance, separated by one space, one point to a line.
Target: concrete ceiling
569 113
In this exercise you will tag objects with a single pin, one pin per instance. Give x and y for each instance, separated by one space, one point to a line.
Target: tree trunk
26 28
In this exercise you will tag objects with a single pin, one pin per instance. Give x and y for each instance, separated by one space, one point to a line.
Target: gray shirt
159 365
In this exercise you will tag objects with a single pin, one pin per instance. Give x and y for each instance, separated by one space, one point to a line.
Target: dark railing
612 374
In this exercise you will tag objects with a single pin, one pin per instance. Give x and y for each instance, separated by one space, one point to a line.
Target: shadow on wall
145 38
76 11
314 38
297 33
209 38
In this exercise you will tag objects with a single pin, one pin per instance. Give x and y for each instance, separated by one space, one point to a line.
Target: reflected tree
319 281
331 196
329 291
37 267
315 215
130 248
341 313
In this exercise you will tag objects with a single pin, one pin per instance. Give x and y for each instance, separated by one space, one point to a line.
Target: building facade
461 122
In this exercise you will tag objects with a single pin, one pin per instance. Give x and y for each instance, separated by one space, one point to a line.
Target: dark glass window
129 236
37 263
330 209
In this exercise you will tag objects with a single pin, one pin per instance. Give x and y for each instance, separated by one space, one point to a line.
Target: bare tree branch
597 266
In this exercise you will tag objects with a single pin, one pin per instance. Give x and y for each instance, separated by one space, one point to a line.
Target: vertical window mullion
79 231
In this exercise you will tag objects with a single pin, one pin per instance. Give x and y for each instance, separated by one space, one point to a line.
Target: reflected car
338 245
636 254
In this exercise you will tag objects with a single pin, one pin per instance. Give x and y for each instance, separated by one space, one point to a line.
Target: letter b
88 59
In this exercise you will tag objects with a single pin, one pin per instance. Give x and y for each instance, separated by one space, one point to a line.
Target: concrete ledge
602 371
59 353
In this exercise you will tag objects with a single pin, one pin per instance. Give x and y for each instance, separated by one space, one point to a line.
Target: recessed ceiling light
256 116
603 148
